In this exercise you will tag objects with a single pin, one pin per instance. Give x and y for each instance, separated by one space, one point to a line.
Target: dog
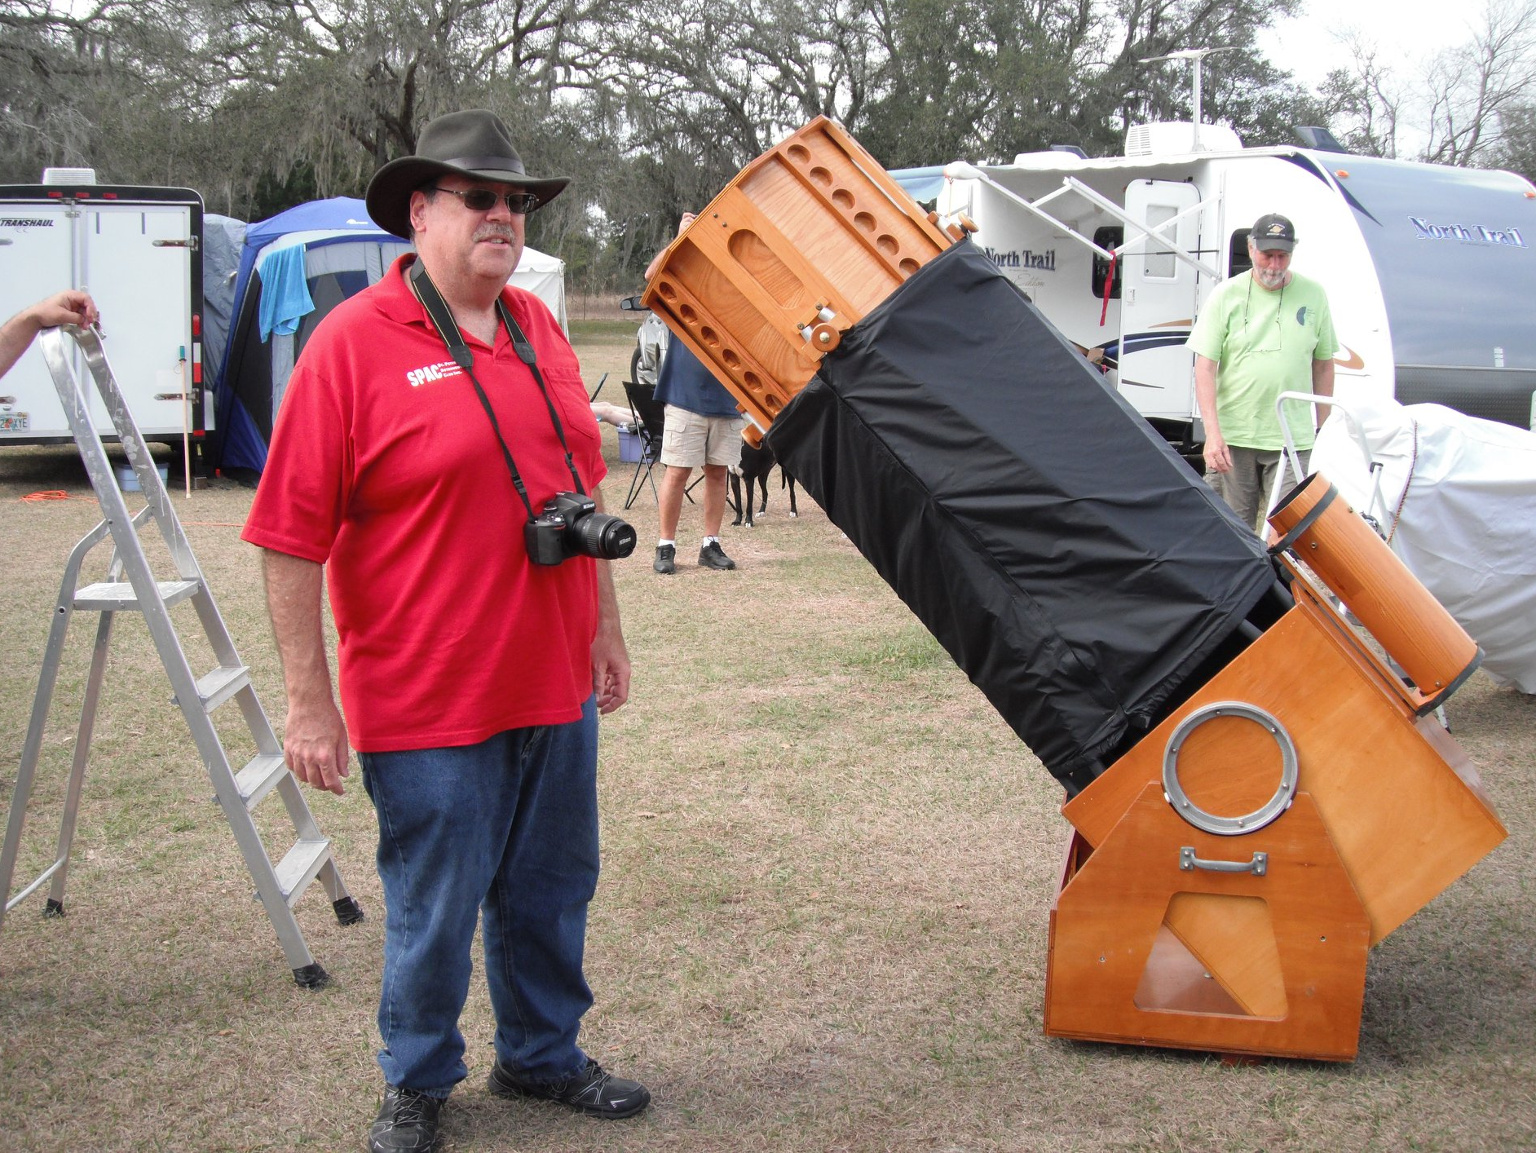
756 464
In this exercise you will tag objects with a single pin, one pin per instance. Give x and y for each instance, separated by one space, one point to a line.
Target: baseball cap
1273 232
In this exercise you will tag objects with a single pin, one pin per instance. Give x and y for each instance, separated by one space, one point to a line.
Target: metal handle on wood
1258 866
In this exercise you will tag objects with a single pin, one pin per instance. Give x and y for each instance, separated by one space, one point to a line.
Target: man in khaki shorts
703 430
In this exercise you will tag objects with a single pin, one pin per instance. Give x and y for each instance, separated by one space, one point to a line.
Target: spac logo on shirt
442 370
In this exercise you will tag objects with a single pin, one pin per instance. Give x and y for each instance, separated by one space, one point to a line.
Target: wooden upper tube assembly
802 244
1357 566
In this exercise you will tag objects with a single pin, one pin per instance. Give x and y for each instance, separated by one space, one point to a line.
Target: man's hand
68 307
654 266
315 737
610 659
610 669
315 744
1218 457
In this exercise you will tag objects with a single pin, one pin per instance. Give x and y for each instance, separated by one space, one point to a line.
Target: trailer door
138 267
1157 302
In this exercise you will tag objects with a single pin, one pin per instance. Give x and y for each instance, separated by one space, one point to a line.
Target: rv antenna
1198 55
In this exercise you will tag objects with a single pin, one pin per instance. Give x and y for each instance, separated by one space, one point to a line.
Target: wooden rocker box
1166 933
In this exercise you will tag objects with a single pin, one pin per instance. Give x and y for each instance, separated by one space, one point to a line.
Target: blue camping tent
294 268
284 267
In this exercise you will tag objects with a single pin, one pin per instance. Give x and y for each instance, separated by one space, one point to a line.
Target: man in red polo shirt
410 456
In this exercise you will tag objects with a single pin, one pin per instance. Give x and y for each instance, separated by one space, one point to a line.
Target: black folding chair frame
649 421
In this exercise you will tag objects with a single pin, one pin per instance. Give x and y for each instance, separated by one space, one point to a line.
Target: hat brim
389 192
1259 245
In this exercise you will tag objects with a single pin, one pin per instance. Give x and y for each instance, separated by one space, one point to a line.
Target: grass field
821 925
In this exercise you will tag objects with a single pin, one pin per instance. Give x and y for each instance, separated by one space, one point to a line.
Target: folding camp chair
649 420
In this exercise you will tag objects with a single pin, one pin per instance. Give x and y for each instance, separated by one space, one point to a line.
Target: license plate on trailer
14 422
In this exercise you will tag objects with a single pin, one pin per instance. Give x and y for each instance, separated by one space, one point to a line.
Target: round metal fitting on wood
824 338
1266 813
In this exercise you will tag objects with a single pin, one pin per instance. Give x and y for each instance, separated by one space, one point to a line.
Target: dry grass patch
821 923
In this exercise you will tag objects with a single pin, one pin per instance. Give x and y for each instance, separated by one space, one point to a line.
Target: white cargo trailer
136 251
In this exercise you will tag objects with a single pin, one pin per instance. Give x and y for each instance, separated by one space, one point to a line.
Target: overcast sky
1405 30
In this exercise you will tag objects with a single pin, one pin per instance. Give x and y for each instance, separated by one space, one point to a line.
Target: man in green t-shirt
1261 333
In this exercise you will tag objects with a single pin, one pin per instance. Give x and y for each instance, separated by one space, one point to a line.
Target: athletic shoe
593 1090
407 1122
665 558
713 556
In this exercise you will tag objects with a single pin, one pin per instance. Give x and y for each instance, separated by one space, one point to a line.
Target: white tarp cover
1457 502
544 276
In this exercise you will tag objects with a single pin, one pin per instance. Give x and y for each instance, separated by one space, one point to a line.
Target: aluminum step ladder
278 886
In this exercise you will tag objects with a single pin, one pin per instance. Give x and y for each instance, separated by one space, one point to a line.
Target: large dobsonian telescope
1256 793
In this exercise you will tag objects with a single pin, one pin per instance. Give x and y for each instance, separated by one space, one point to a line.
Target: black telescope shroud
1077 570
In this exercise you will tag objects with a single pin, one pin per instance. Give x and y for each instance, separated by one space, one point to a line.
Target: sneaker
407 1122
593 1090
666 555
713 556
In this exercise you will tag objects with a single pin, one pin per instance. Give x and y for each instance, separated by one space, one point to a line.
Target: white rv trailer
136 250
1429 270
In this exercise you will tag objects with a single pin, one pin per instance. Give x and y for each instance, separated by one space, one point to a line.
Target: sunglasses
483 199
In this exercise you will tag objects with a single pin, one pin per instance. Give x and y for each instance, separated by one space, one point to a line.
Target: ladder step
259 775
216 687
299 866
118 596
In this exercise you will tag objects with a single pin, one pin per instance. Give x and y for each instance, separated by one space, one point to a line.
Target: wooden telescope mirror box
1226 874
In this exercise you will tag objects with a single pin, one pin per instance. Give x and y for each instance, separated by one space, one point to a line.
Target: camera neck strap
448 329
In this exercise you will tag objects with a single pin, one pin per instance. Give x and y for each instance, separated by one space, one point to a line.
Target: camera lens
600 535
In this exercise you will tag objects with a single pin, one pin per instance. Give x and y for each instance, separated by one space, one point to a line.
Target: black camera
572 526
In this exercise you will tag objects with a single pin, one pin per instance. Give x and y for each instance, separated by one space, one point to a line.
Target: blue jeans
507 830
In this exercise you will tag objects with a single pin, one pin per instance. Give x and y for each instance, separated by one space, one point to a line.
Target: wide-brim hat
474 143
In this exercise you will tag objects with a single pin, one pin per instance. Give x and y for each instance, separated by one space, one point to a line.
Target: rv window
1237 253
1160 264
1110 237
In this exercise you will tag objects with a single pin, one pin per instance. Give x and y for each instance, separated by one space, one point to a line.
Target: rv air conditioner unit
1177 137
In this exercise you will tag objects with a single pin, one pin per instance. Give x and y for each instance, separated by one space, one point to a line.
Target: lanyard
442 319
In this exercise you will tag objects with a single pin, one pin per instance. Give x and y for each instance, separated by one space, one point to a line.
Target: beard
1271 278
